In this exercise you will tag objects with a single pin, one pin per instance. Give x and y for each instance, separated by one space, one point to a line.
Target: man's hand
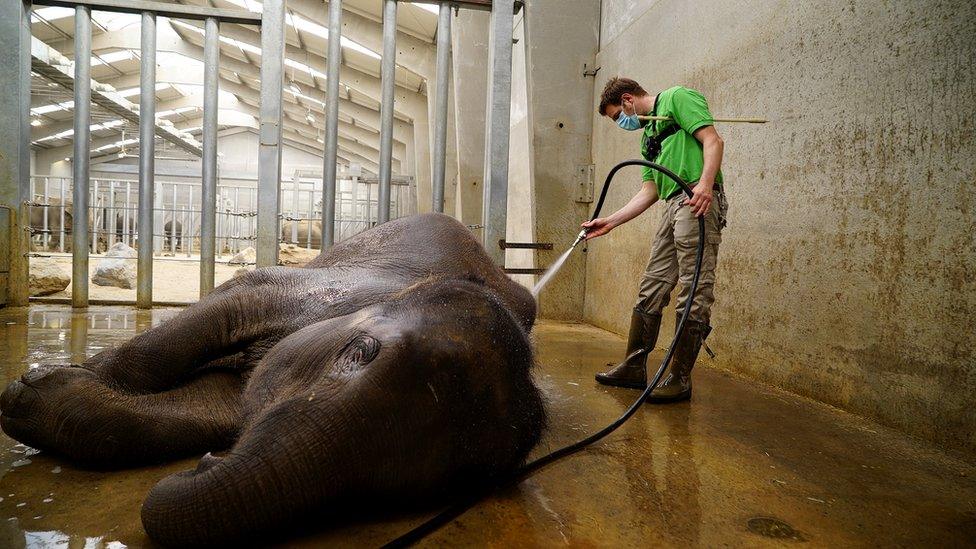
597 227
702 200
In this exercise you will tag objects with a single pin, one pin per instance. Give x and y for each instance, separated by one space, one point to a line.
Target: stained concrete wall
848 270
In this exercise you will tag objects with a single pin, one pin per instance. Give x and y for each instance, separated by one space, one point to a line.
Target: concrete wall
848 270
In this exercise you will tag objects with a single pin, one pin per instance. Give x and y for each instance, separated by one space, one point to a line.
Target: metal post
208 193
440 105
331 126
46 237
172 223
126 215
189 223
82 146
311 214
96 220
269 144
388 84
15 129
147 161
495 213
63 232
110 214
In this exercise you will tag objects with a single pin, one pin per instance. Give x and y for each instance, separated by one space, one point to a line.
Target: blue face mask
628 122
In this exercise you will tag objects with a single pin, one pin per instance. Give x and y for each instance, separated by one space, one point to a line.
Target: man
688 145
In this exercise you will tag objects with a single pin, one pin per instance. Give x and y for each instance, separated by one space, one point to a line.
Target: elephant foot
59 409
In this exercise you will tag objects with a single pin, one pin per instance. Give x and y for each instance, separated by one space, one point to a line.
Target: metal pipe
331 125
269 138
82 142
63 232
495 212
172 223
125 219
440 106
46 236
208 192
96 220
388 85
147 160
189 224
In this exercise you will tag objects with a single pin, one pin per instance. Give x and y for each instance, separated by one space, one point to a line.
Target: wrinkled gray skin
303 228
394 368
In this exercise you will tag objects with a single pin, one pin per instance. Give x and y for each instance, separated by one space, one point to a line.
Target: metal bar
495 213
47 229
147 161
269 142
311 212
189 224
388 84
440 106
110 214
208 192
127 238
524 245
163 9
172 223
63 232
82 142
331 125
95 219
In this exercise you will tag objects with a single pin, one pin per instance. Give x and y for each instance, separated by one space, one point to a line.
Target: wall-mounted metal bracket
584 183
524 245
587 72
514 271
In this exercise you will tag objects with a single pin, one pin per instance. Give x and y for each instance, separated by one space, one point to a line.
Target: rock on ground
46 277
117 268
290 254
247 256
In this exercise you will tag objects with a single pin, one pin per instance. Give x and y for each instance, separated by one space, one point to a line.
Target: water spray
464 504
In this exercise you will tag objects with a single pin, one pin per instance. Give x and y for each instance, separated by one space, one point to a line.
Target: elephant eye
361 350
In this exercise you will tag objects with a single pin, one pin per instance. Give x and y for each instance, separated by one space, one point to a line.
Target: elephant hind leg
69 411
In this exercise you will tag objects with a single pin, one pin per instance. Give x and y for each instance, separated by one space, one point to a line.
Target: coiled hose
459 507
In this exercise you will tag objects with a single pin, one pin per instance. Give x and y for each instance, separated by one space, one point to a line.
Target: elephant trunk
285 464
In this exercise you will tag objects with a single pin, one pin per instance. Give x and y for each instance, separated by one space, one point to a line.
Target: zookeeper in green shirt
689 146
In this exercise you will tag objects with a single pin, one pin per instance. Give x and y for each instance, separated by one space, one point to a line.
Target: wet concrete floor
741 465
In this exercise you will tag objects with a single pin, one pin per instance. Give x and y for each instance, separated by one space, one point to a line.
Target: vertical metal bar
46 235
110 213
294 210
15 129
147 161
63 232
82 145
311 213
95 218
495 213
188 226
172 223
329 175
269 144
388 84
208 193
125 220
440 105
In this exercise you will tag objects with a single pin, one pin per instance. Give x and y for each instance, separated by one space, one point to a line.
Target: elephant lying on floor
394 368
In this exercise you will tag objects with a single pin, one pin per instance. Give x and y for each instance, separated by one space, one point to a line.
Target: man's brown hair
614 91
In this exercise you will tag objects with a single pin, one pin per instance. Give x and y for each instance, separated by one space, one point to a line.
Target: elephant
394 369
303 228
53 223
168 231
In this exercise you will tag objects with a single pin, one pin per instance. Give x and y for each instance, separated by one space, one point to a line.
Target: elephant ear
359 352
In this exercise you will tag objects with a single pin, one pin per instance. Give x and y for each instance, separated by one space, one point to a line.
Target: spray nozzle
579 238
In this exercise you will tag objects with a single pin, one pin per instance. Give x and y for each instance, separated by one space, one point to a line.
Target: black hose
459 507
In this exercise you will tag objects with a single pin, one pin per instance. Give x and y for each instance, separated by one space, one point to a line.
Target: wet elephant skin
394 368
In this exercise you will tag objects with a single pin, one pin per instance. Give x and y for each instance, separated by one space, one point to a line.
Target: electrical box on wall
584 183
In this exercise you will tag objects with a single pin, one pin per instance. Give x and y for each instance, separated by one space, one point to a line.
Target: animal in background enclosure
393 369
170 235
121 230
287 229
53 224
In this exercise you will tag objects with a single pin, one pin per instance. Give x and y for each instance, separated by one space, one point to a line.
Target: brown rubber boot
676 386
632 372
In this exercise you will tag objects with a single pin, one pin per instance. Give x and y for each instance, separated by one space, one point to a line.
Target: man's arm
641 201
712 149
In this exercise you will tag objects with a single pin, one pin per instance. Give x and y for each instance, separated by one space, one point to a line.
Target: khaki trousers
672 258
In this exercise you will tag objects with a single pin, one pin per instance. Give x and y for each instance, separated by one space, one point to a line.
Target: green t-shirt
680 152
